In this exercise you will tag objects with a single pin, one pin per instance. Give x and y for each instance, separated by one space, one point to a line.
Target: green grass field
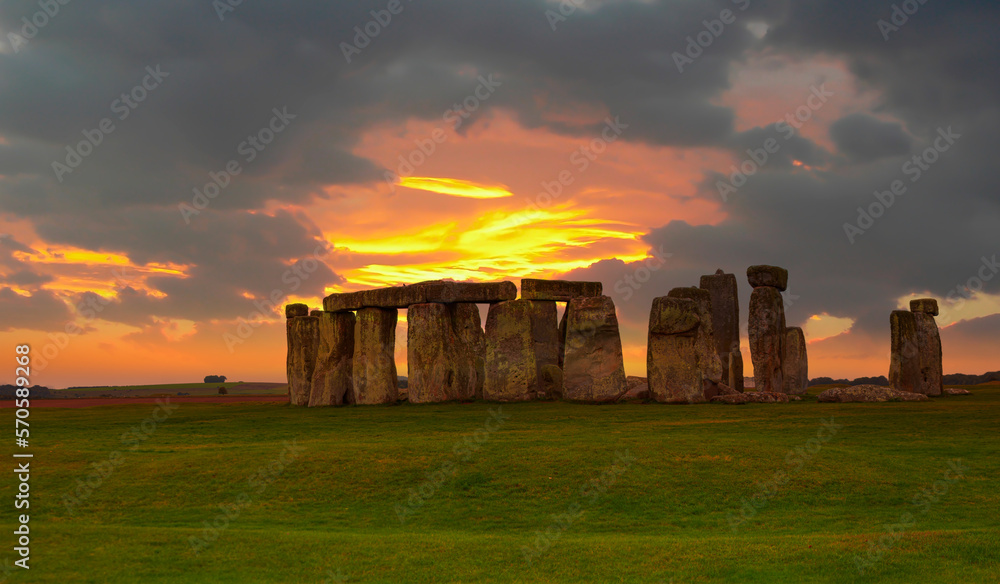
438 493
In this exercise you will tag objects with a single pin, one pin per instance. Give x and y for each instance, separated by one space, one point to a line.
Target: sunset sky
169 168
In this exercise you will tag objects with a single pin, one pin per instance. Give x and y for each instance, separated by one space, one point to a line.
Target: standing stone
704 338
545 333
593 367
725 322
511 372
442 349
766 328
672 367
430 349
925 305
470 363
303 345
904 358
929 345
794 362
736 371
374 368
332 379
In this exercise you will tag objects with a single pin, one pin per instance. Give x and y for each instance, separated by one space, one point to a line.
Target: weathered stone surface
511 372
482 292
671 359
562 339
545 334
955 391
725 318
757 397
637 389
736 370
303 346
593 368
766 329
443 352
704 337
374 368
423 292
293 310
795 362
332 379
904 356
471 361
868 393
561 290
925 305
929 346
770 276
430 348
672 316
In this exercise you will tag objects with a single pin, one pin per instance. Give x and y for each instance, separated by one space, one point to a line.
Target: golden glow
456 187
823 326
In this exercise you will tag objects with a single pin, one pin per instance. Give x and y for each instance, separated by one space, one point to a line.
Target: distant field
195 389
624 493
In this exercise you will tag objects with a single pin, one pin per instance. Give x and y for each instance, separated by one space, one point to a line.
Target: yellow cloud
456 187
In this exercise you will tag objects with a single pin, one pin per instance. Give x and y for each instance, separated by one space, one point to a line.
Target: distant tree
215 379
222 390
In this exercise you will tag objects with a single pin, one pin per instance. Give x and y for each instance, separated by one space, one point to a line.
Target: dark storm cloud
225 77
864 138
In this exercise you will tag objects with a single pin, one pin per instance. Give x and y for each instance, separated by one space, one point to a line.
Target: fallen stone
757 397
769 276
925 305
868 393
293 310
704 336
904 352
725 318
558 290
332 379
956 391
766 328
637 389
593 367
929 346
795 362
303 346
511 372
374 367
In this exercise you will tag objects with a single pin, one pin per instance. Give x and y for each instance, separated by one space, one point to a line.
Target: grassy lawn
556 493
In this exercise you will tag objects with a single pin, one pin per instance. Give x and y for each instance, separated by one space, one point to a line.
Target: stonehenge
726 325
915 349
345 353
766 326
